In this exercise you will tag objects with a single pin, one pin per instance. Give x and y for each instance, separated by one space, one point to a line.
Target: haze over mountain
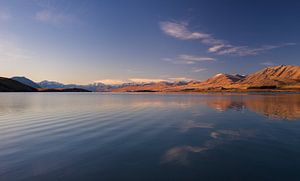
95 87
26 81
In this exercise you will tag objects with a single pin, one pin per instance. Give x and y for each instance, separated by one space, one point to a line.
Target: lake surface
104 136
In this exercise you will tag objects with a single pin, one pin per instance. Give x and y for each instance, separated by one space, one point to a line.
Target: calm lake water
95 136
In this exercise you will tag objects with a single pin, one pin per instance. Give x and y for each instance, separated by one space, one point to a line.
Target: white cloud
194 58
176 79
111 81
142 80
180 30
53 17
188 59
215 48
199 70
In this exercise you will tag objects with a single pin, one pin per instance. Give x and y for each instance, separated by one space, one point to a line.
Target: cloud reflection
180 154
190 124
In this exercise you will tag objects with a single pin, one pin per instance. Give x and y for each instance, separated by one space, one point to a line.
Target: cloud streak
111 81
188 59
141 80
181 31
199 70
178 79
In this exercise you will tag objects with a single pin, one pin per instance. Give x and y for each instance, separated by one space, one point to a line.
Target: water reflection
228 133
71 136
182 155
281 107
275 106
285 107
190 124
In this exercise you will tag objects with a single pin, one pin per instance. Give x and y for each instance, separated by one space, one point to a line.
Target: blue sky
116 41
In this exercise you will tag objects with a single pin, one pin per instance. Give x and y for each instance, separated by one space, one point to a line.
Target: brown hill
150 87
273 76
221 80
216 82
9 85
283 77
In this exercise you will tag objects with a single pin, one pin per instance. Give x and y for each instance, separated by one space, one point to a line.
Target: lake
106 136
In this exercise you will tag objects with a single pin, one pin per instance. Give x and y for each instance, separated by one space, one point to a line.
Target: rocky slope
221 80
273 76
149 87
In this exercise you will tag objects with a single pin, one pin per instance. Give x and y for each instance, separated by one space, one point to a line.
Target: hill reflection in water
273 106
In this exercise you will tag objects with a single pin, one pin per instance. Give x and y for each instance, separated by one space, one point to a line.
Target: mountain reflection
273 106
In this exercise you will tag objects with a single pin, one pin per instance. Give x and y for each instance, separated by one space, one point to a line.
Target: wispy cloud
53 17
181 31
176 79
141 80
199 70
111 81
268 63
188 59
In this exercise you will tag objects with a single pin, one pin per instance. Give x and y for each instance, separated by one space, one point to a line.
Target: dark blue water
94 136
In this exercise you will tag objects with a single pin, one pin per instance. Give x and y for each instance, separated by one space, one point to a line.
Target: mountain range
282 77
275 78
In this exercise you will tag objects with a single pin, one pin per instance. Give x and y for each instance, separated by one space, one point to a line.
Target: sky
116 41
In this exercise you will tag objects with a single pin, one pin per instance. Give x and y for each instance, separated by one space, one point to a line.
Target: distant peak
219 74
20 77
